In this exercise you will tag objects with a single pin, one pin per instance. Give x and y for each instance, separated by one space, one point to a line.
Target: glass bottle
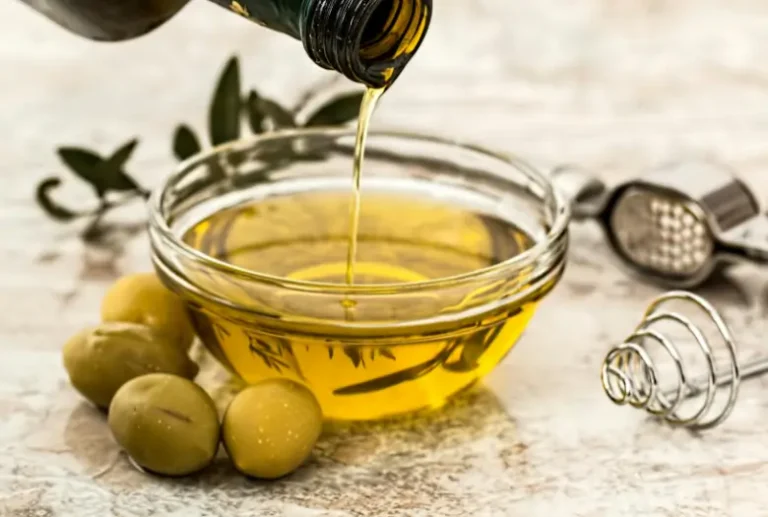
369 41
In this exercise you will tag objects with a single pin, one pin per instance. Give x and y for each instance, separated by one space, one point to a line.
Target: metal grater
676 225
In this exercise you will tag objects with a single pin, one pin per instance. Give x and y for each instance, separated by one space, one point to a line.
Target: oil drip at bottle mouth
392 34
369 41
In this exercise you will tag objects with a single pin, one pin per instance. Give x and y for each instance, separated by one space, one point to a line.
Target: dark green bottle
369 41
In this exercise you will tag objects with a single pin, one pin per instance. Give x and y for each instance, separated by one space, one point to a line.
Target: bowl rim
159 227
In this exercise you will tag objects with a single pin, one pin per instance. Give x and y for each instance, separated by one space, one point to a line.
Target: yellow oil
367 107
383 369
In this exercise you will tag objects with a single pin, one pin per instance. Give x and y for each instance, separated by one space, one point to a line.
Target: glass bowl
417 326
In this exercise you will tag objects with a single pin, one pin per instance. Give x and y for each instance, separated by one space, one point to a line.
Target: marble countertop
614 85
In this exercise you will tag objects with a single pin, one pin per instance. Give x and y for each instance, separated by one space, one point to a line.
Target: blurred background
613 85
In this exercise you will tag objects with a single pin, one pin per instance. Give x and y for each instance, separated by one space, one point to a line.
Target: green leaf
185 143
224 115
393 379
102 175
43 197
386 352
84 164
255 113
261 111
112 172
473 348
354 355
120 157
338 111
279 117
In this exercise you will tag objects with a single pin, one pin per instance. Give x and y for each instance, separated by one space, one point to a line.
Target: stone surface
614 85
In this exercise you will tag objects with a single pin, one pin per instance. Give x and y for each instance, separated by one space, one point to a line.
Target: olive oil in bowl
401 239
455 249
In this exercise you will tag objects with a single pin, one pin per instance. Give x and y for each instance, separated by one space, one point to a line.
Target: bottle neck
368 41
108 20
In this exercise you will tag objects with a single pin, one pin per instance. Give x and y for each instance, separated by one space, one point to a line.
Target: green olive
142 298
99 360
166 424
269 429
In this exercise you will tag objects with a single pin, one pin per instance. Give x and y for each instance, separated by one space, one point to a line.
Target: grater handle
585 193
748 240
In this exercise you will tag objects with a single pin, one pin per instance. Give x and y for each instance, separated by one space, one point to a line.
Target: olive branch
231 115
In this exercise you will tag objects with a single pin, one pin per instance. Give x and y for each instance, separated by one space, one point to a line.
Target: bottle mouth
368 41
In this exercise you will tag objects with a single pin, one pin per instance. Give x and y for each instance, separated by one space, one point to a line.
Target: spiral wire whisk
630 375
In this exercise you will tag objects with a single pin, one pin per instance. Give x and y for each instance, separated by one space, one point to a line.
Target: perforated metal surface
664 233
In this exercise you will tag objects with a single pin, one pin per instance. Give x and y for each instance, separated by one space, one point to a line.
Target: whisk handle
699 384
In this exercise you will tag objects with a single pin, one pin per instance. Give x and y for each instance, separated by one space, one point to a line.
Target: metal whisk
630 376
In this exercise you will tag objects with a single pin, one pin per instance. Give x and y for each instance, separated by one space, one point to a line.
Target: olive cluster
135 365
